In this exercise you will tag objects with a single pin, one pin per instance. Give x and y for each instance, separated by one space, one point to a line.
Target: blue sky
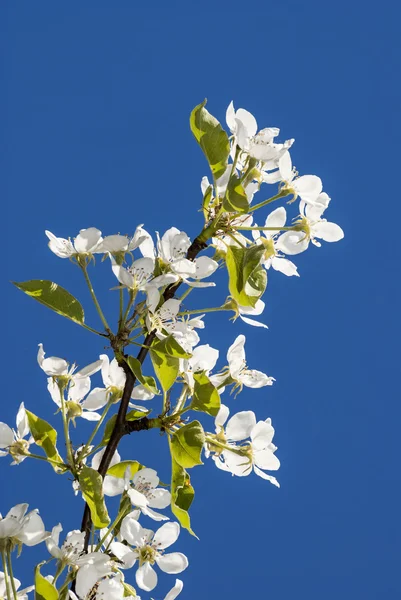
96 98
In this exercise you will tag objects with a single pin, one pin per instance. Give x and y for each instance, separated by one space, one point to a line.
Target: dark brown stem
123 427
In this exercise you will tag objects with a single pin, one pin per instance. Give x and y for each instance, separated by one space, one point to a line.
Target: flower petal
175 562
124 554
87 240
329 232
265 459
175 591
146 577
166 535
262 435
240 425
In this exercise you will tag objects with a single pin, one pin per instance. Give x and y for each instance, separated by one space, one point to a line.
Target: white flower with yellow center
256 455
148 549
272 257
314 228
12 441
86 243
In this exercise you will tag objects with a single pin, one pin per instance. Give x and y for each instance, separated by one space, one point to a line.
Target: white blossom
87 242
71 548
22 528
238 367
259 145
273 258
257 455
307 187
315 228
12 441
148 548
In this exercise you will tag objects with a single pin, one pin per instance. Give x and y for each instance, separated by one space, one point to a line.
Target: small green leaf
170 347
91 484
187 444
120 468
246 282
44 590
165 354
55 297
148 382
211 137
45 437
182 495
235 199
166 368
206 397
135 415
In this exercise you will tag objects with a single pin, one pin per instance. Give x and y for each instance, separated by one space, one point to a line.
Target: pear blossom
113 377
314 228
21 594
12 441
117 244
172 249
22 528
273 258
238 368
87 242
72 547
192 271
75 404
58 367
203 358
135 277
145 495
148 548
258 145
257 455
164 318
307 187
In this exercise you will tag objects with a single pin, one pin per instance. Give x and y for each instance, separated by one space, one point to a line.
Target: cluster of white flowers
149 272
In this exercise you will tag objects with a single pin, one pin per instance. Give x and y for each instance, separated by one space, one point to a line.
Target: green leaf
148 382
211 137
132 415
45 437
170 347
206 397
246 281
235 199
119 469
91 484
182 495
44 590
187 444
166 368
165 355
55 297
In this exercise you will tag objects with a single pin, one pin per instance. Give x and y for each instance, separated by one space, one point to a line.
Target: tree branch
123 427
